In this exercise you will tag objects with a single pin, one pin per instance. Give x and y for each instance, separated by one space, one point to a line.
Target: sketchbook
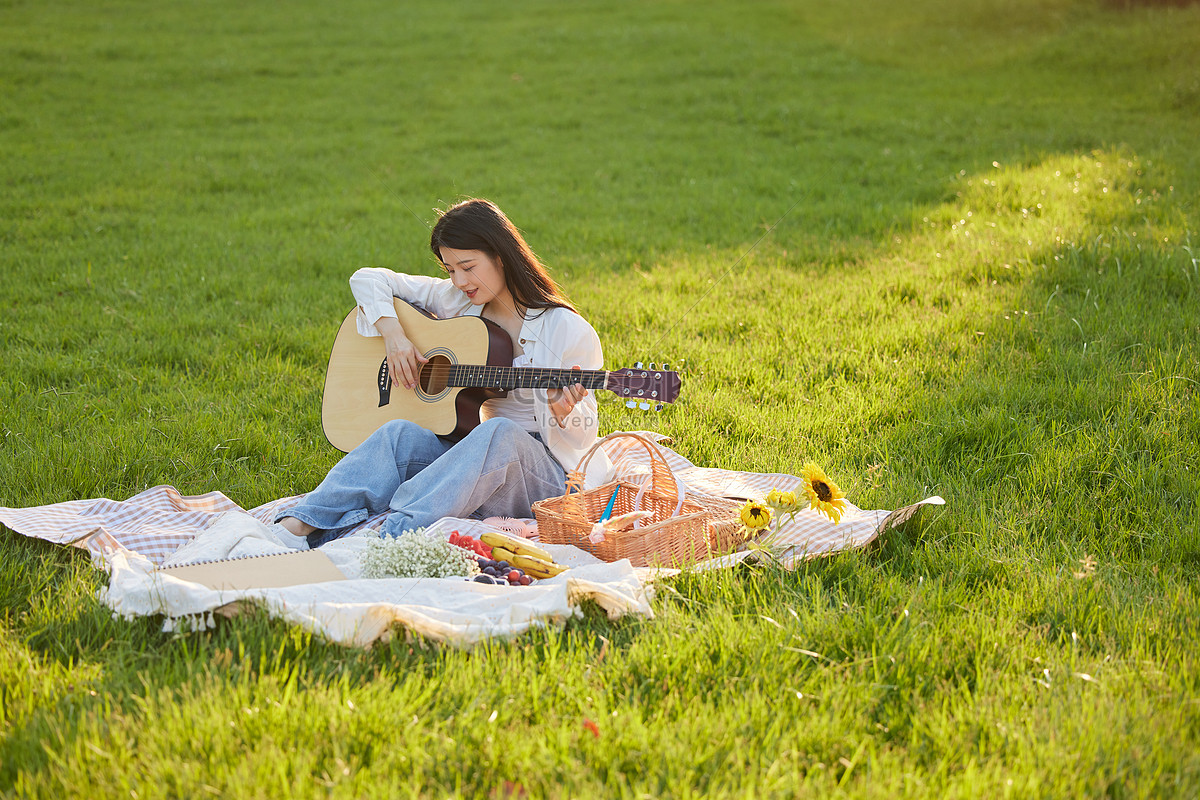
260 572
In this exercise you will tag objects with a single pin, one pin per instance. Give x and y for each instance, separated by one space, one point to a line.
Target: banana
521 547
537 567
502 554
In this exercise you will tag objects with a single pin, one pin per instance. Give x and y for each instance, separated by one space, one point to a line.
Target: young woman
518 454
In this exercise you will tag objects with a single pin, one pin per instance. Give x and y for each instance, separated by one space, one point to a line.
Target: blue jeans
498 469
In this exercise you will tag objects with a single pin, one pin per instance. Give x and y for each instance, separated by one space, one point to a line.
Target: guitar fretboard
473 375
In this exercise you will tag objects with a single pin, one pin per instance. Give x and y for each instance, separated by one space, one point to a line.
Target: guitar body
358 397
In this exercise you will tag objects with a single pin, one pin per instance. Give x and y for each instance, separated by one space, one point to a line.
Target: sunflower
755 515
786 502
823 494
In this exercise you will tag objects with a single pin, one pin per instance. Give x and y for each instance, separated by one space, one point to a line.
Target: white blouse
555 338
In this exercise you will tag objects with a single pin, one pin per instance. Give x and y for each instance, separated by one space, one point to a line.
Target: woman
518 454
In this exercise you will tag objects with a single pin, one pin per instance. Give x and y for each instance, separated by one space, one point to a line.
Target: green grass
937 247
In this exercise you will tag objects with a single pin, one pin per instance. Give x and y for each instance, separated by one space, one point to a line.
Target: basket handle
679 494
662 480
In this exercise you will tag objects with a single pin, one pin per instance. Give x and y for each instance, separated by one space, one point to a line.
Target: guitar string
519 377
484 375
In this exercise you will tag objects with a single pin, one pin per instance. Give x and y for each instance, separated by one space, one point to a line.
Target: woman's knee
500 428
398 430
403 442
396 427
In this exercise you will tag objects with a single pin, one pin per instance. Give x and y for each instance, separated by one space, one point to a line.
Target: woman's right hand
403 357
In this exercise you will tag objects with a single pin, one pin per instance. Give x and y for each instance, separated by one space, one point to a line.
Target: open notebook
260 572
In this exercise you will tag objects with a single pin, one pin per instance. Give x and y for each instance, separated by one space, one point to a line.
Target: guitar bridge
385 384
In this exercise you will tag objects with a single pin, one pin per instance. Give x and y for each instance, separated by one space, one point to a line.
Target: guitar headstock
644 387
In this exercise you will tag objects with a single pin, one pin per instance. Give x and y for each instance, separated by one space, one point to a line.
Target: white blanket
358 611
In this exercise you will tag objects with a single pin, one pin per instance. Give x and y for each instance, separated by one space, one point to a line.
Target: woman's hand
403 358
562 401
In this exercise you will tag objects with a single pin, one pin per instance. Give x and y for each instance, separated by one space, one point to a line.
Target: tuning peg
631 403
652 367
638 365
644 406
666 367
658 406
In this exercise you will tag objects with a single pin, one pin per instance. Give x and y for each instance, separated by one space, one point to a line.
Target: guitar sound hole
435 375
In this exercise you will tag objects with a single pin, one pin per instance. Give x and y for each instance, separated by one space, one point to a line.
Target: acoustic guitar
470 361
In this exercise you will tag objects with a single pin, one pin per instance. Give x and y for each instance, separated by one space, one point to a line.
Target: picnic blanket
358 611
130 538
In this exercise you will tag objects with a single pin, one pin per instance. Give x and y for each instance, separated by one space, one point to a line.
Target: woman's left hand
562 401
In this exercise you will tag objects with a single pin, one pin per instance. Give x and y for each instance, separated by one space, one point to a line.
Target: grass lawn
939 248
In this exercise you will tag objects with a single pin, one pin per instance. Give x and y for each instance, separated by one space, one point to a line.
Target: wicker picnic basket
676 533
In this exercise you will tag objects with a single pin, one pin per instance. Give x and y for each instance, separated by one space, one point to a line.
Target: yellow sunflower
755 515
785 501
823 494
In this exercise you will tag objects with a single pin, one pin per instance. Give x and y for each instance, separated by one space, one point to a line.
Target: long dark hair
479 225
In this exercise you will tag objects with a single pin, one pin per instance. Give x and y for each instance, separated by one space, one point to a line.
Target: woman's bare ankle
296 527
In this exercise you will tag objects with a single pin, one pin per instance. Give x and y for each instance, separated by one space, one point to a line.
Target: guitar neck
478 376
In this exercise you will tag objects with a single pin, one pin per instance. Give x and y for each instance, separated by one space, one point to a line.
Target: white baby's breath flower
415 555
